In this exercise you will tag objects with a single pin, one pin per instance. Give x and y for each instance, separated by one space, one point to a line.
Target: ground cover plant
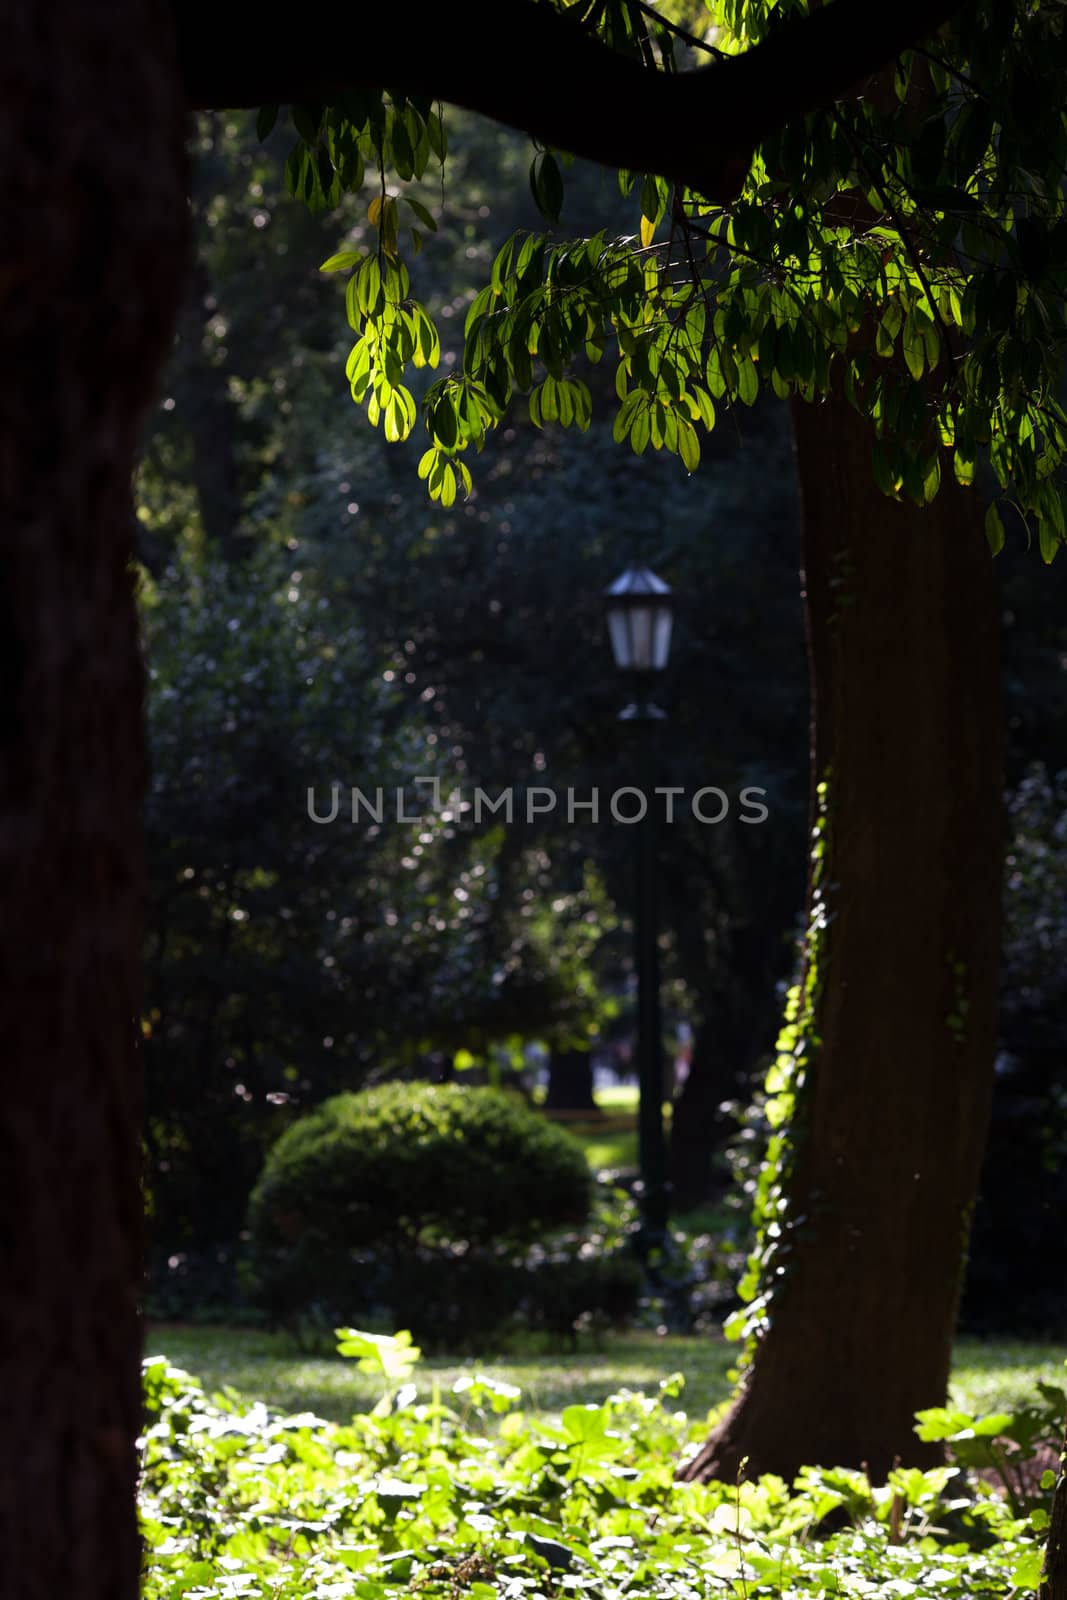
455 1489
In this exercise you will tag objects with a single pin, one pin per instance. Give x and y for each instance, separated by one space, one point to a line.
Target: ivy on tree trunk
864 1281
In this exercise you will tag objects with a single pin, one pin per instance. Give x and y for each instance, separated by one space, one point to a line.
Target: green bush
413 1203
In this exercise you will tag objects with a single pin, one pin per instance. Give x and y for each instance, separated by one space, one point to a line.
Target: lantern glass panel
641 635
661 644
618 628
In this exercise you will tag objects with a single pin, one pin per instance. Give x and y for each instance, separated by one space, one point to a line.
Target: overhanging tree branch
550 77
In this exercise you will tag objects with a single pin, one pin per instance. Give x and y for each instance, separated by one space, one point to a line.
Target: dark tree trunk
1054 1577
906 714
570 1081
738 1027
698 1128
92 213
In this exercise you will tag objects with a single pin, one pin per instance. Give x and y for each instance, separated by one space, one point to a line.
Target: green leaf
652 206
705 406
423 213
584 1423
914 347
369 286
688 445
994 530
437 135
295 166
1048 541
747 381
343 261
992 1424
546 185
403 152
963 467
307 121
641 431
931 479
352 308
443 421
266 117
394 1356
586 1427
1026 1573
942 1422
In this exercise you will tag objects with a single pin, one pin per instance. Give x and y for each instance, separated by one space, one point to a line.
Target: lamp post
640 615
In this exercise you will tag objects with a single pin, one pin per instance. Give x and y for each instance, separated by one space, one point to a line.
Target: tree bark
602 105
570 1081
93 214
906 731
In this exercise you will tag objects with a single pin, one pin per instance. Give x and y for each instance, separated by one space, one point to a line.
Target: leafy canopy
912 241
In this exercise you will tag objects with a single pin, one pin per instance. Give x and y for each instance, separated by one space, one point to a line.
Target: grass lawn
987 1376
609 1140
265 1366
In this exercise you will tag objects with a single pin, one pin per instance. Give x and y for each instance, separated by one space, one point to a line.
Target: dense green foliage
263 927
928 213
439 1204
463 1492
420 1163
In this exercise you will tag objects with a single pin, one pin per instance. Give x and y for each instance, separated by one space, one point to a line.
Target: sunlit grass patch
988 1375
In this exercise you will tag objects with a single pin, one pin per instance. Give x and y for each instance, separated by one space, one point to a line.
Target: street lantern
640 613
640 610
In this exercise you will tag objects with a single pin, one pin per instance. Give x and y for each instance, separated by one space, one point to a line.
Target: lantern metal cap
637 582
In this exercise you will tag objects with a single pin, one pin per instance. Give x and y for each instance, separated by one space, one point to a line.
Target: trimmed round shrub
410 1203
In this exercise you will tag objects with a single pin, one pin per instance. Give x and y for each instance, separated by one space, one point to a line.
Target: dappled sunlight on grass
266 1366
997 1374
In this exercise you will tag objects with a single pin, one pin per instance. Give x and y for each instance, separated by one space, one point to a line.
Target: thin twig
679 32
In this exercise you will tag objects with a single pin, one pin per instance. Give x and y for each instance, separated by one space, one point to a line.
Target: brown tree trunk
906 718
92 213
